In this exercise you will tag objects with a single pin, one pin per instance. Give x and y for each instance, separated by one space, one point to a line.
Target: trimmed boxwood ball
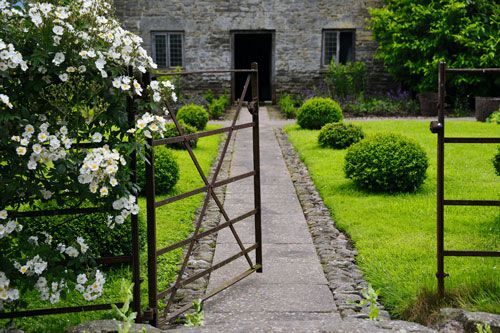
318 111
171 131
194 115
339 135
496 162
166 171
386 163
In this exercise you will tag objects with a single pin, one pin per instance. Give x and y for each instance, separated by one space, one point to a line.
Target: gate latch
252 107
436 127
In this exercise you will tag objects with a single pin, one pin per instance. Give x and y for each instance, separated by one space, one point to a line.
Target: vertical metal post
440 179
152 311
256 166
136 265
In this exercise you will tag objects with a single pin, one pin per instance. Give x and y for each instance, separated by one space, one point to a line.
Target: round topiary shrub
166 171
318 111
386 163
171 131
496 162
339 135
194 115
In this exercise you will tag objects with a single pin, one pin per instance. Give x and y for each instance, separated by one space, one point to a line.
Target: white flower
58 30
71 251
99 63
97 137
58 58
5 99
80 288
3 214
43 136
21 151
82 69
156 97
46 194
81 278
32 164
83 246
63 77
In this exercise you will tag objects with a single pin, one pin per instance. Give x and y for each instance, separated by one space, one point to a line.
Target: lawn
395 234
174 223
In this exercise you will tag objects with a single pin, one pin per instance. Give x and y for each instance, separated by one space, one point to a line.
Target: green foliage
346 80
171 132
166 171
93 228
483 328
496 162
209 96
124 315
197 318
217 106
386 163
318 111
414 36
382 107
494 118
370 297
194 115
289 105
339 135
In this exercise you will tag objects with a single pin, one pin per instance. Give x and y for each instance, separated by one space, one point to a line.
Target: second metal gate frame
154 296
438 127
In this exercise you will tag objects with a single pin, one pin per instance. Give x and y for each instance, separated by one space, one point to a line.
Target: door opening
253 47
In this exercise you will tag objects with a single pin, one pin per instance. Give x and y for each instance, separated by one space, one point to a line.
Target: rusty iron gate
154 295
438 127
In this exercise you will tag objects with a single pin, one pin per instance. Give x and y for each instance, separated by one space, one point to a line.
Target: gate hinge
252 107
443 275
149 314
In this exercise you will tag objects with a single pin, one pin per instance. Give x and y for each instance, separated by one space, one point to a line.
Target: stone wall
297 26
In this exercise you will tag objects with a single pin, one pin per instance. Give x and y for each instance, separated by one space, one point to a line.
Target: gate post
256 166
440 179
152 312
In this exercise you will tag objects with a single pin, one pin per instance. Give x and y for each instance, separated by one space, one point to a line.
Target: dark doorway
253 47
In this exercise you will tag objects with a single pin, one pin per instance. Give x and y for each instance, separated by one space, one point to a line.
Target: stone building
292 40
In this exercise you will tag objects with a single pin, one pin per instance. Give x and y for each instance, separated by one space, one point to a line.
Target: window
338 45
168 49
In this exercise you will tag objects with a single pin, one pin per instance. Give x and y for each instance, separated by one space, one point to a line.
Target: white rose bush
67 69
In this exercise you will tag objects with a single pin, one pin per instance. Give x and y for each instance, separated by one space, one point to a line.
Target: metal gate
438 128
154 295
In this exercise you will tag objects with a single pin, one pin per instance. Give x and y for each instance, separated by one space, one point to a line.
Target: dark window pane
161 50
175 50
346 52
330 46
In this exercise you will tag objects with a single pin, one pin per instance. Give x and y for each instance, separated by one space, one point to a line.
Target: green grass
395 234
174 223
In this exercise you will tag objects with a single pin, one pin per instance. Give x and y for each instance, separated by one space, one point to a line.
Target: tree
415 35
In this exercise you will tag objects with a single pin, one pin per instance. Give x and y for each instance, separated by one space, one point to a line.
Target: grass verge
395 234
174 223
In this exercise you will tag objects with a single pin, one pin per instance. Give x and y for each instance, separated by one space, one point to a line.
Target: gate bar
256 165
205 233
492 203
195 277
472 253
440 181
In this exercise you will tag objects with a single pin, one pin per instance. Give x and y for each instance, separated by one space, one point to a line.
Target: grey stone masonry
297 28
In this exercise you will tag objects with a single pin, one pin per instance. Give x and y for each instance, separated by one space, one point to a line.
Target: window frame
167 35
337 51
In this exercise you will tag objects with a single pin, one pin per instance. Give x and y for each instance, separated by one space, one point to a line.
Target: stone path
292 294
